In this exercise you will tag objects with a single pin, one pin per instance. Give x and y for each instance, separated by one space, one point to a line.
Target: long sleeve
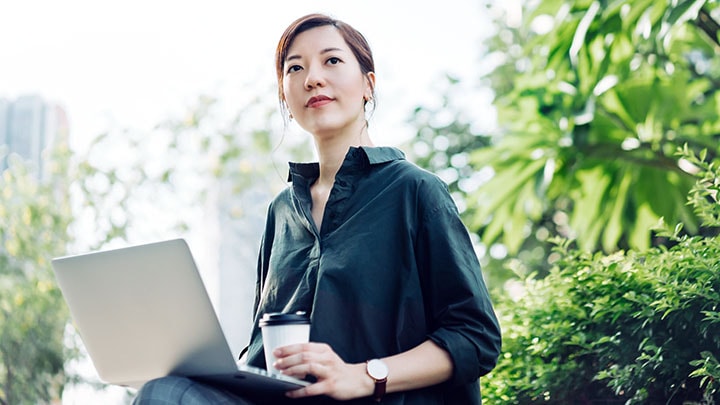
457 301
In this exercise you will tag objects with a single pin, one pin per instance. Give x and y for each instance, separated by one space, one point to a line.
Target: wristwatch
378 371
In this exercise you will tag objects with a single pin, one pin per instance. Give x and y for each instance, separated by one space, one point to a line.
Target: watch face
377 369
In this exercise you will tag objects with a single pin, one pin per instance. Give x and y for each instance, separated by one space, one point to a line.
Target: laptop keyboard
278 376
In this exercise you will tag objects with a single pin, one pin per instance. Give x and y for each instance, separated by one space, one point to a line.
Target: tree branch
708 25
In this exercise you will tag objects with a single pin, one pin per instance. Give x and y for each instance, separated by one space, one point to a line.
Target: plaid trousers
184 391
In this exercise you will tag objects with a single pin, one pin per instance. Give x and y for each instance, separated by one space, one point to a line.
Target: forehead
316 40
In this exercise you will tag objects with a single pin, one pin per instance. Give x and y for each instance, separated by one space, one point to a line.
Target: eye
294 68
334 61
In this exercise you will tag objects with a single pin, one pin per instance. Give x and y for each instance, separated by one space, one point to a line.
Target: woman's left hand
335 378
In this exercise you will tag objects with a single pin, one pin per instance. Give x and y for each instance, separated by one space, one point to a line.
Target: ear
286 108
369 85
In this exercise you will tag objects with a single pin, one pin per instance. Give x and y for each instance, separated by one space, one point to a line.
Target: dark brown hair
354 39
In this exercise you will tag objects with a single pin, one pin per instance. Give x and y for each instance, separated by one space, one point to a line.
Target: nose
314 78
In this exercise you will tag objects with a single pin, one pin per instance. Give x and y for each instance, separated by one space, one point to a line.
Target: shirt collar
383 154
363 156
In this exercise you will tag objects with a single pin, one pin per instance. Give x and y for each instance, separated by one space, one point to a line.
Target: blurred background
126 84
579 140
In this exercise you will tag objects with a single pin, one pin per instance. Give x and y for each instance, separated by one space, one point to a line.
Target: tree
592 99
34 217
106 197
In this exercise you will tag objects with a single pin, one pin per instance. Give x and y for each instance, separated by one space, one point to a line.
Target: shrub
629 327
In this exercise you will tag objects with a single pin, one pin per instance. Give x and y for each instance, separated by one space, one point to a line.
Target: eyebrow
324 51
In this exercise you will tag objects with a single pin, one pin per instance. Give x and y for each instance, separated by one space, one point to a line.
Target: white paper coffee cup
280 329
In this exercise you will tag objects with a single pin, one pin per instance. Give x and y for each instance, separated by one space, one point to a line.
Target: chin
324 128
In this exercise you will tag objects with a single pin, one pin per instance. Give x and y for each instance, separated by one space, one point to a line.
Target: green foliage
704 195
603 95
34 216
592 99
629 327
443 139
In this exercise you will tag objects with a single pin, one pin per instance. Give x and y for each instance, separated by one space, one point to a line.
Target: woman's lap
184 391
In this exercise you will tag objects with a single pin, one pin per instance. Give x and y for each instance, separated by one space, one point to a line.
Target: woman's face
323 85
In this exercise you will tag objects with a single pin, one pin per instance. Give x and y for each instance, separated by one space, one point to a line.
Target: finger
289 360
309 391
299 348
318 370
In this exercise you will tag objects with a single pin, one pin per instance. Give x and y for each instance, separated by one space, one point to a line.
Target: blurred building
29 126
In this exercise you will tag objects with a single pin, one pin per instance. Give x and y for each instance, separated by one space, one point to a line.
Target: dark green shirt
391 267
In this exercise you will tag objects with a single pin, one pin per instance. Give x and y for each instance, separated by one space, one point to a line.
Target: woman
368 244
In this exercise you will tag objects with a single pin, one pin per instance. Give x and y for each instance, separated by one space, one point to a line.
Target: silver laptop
143 313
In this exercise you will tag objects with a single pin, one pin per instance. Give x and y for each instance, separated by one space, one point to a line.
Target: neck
332 151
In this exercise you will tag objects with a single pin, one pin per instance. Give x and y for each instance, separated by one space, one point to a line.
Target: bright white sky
134 63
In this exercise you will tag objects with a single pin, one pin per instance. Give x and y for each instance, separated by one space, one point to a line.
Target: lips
318 101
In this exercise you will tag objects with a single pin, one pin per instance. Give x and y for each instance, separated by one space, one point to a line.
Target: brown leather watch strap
379 389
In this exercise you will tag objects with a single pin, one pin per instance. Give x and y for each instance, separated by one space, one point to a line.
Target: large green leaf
507 185
616 221
589 211
612 89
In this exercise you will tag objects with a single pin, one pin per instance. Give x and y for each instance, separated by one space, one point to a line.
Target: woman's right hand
335 378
